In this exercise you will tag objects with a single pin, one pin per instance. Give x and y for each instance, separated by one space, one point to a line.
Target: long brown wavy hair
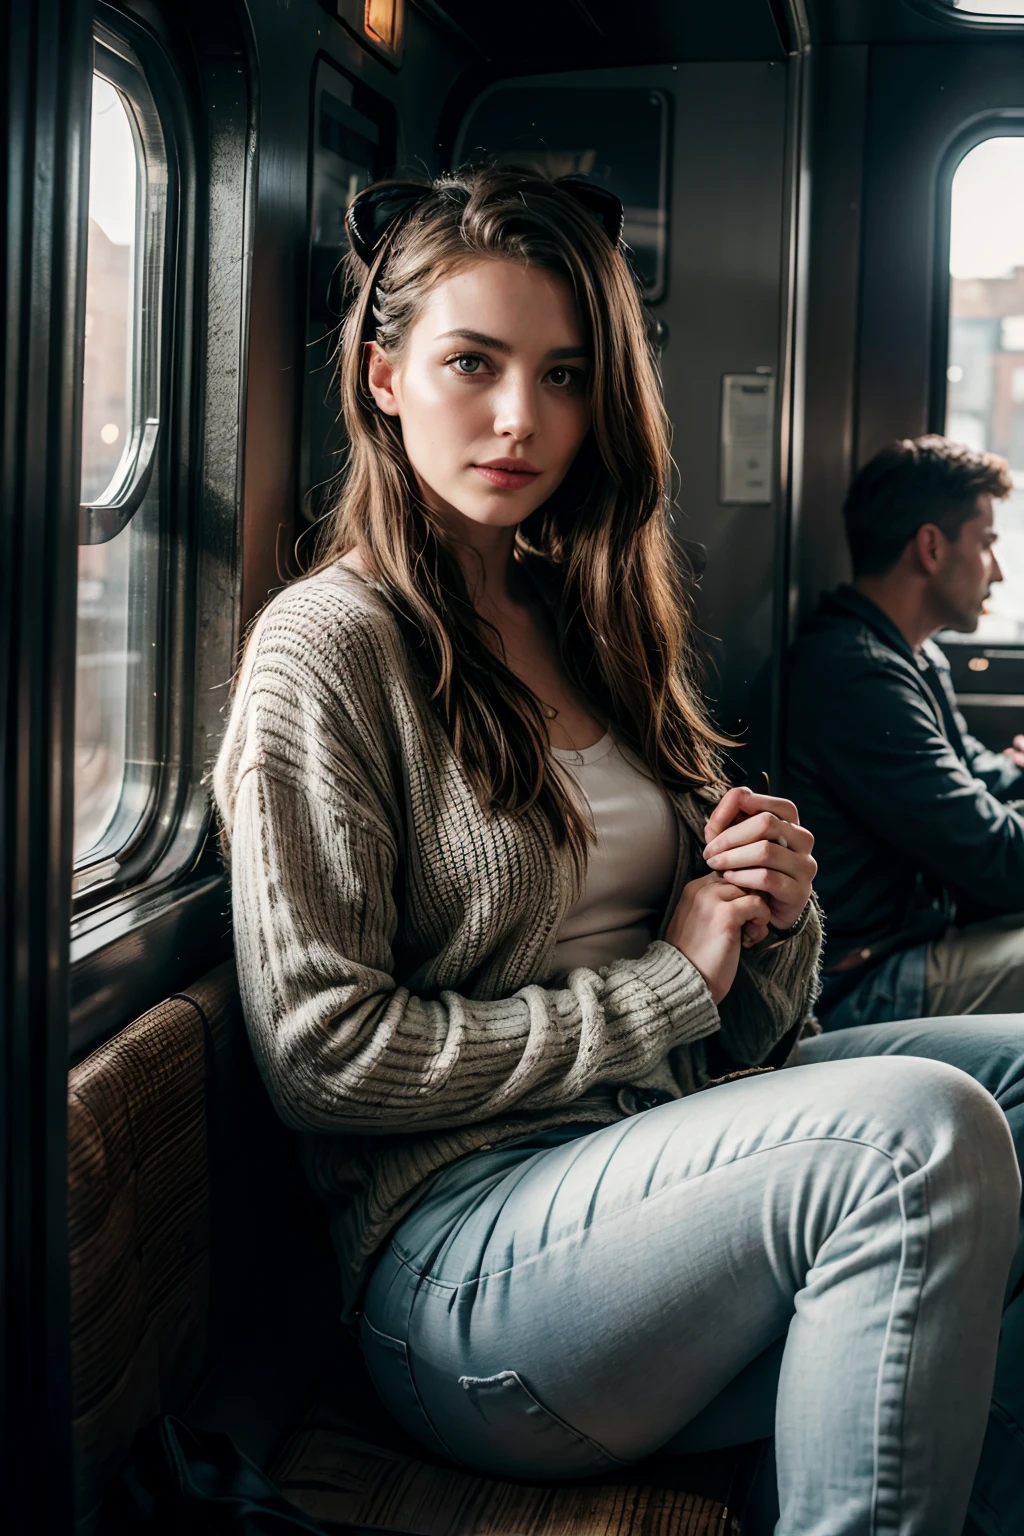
600 545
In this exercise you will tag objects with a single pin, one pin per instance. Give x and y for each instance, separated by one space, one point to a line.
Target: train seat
202 1283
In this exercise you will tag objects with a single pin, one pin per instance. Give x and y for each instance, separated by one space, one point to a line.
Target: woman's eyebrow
477 336
497 345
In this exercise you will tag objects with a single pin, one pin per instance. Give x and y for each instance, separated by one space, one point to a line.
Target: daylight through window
985 373
996 8
118 567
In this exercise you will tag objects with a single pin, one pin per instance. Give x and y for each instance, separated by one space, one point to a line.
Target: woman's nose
516 409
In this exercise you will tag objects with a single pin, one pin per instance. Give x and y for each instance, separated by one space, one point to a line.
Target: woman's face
491 391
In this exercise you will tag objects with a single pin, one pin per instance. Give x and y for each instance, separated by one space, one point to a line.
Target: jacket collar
929 663
847 600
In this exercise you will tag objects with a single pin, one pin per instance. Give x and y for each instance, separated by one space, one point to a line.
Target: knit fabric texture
395 944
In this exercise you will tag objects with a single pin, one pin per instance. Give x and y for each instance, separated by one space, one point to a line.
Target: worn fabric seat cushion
348 1461
139 1215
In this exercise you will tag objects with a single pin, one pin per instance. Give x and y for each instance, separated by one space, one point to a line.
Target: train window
985 363
121 553
994 10
616 135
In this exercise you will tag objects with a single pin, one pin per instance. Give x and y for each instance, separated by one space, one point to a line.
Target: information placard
748 435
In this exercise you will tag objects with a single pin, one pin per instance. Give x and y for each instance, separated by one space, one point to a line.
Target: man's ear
929 544
380 379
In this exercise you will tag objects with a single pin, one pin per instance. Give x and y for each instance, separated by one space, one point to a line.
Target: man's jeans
819 1253
975 969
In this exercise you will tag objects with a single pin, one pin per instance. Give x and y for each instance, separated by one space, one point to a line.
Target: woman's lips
504 477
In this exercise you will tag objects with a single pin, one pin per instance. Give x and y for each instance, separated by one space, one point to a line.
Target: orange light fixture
382 23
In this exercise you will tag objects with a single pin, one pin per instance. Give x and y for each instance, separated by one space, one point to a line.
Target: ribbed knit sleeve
343 1047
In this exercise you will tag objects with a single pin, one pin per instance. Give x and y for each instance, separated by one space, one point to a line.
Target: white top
630 868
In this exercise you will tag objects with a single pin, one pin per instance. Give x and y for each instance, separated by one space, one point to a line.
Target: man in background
920 847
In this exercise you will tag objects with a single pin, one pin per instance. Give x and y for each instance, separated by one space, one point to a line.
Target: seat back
139 1222
192 1237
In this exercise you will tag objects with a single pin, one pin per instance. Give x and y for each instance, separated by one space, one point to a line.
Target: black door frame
46 58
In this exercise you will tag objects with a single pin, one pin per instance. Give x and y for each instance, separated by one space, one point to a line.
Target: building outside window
985 373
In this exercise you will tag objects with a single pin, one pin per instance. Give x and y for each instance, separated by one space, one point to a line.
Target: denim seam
891 1392
407 1362
549 1413
493 1274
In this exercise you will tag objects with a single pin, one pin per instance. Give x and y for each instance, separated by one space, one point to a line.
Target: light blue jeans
820 1254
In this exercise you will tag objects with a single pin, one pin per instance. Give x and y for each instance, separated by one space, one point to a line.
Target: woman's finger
764 855
753 907
786 897
766 825
742 802
772 883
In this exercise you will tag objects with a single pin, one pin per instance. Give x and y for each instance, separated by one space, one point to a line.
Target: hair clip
601 204
375 211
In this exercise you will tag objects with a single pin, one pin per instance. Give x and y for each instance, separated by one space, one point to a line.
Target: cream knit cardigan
394 944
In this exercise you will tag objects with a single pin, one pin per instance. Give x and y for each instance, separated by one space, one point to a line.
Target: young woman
498 921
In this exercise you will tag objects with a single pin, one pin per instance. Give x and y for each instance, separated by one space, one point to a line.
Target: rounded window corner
986 16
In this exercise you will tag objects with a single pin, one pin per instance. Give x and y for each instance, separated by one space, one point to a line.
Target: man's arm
1002 773
878 743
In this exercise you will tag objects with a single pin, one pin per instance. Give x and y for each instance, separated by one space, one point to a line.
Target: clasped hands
762 870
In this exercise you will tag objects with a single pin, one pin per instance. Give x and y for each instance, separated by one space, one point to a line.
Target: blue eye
467 363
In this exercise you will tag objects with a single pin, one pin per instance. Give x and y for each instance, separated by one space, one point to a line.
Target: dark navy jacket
906 806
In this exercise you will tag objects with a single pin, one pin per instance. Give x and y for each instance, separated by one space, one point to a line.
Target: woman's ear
380 379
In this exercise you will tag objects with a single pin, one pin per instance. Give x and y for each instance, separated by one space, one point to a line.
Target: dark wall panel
724 314
289 39
838 108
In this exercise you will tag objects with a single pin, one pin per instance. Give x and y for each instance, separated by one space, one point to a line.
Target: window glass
117 600
985 373
113 174
1011 8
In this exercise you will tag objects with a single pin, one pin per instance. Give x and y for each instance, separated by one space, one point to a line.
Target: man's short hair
919 480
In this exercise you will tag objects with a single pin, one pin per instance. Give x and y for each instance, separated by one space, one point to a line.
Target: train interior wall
723 309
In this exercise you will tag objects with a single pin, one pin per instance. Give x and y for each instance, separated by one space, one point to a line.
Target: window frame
1006 123
985 23
134 846
156 215
165 918
1000 123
